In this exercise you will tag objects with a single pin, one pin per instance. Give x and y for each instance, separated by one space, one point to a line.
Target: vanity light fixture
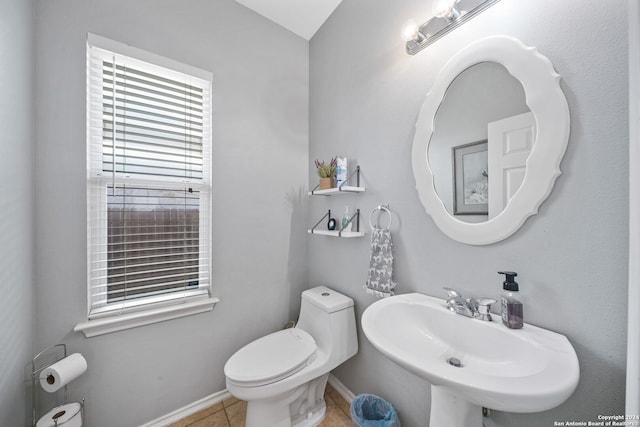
448 15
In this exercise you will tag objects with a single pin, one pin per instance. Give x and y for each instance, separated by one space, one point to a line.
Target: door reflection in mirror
483 94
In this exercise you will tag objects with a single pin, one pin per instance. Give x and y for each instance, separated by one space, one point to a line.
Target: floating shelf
354 221
337 190
336 233
343 188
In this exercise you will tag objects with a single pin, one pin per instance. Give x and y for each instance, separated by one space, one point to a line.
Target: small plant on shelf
327 170
327 173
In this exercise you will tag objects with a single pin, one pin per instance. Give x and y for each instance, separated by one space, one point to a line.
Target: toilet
282 376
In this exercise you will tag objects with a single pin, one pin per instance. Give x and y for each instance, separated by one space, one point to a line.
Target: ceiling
303 17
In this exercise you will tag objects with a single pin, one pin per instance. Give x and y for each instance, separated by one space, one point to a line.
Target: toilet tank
328 316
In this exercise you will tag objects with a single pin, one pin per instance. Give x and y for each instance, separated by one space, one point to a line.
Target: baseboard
341 389
189 409
218 397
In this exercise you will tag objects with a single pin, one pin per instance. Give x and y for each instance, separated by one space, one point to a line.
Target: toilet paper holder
35 376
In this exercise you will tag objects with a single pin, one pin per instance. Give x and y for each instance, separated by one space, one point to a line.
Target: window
148 180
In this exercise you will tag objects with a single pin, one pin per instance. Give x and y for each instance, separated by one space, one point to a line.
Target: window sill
107 325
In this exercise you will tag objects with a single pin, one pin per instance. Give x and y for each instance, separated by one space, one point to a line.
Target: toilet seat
271 358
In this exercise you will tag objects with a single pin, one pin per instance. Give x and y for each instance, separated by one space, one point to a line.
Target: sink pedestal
448 410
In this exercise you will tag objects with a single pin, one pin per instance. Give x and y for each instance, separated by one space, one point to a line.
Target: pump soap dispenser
512 313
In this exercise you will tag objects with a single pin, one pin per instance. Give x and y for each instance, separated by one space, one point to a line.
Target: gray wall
365 94
17 321
572 257
260 154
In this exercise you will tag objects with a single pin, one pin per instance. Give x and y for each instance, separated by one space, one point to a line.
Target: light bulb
446 9
410 30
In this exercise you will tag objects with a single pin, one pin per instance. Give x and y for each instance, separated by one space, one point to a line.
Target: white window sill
107 325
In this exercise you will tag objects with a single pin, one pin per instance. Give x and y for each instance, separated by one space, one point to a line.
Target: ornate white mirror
489 140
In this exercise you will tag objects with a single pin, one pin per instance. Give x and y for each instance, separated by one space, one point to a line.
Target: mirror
482 97
489 140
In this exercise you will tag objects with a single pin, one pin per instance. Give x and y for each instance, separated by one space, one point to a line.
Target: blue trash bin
369 410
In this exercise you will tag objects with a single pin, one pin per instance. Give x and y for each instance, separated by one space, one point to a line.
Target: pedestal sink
472 363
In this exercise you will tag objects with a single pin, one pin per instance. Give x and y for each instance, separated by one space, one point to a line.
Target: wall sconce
448 15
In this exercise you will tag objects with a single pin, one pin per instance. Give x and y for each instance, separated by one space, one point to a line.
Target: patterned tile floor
231 413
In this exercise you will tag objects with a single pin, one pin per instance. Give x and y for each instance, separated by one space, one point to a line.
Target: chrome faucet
477 308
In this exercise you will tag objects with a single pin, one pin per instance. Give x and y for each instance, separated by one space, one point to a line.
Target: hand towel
379 279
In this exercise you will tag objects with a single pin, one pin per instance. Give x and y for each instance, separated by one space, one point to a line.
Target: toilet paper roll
68 415
62 372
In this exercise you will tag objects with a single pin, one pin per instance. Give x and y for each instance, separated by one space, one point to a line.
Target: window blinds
148 183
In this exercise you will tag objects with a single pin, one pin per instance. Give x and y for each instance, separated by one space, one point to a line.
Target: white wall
16 211
572 257
260 155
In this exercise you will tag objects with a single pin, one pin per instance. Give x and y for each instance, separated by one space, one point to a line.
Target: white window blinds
148 179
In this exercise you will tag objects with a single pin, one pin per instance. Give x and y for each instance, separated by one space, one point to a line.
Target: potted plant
327 173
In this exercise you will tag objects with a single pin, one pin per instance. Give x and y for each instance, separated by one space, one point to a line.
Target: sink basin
522 370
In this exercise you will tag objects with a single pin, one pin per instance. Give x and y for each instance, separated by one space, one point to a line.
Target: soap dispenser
512 313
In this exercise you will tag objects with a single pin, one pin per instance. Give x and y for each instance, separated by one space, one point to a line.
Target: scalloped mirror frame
547 102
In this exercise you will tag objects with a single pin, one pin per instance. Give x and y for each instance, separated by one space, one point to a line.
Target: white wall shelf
342 188
337 190
336 233
355 218
354 221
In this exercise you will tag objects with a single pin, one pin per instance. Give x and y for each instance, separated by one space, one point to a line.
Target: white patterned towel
379 278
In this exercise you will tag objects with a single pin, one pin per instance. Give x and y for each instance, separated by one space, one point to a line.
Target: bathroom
279 102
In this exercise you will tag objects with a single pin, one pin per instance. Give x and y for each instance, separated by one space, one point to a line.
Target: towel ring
383 209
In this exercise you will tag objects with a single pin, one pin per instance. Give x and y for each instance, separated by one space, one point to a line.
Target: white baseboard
218 397
188 410
341 388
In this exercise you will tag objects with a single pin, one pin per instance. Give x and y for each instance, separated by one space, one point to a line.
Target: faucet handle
483 308
452 293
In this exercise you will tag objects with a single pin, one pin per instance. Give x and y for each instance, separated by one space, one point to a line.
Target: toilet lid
271 358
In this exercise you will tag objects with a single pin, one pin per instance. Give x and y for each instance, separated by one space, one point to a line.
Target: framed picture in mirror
470 178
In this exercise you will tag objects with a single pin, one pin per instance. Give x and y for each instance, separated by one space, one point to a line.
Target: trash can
369 410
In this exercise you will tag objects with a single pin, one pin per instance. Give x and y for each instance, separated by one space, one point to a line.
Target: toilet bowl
282 376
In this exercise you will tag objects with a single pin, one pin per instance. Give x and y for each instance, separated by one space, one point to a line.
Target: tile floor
231 413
